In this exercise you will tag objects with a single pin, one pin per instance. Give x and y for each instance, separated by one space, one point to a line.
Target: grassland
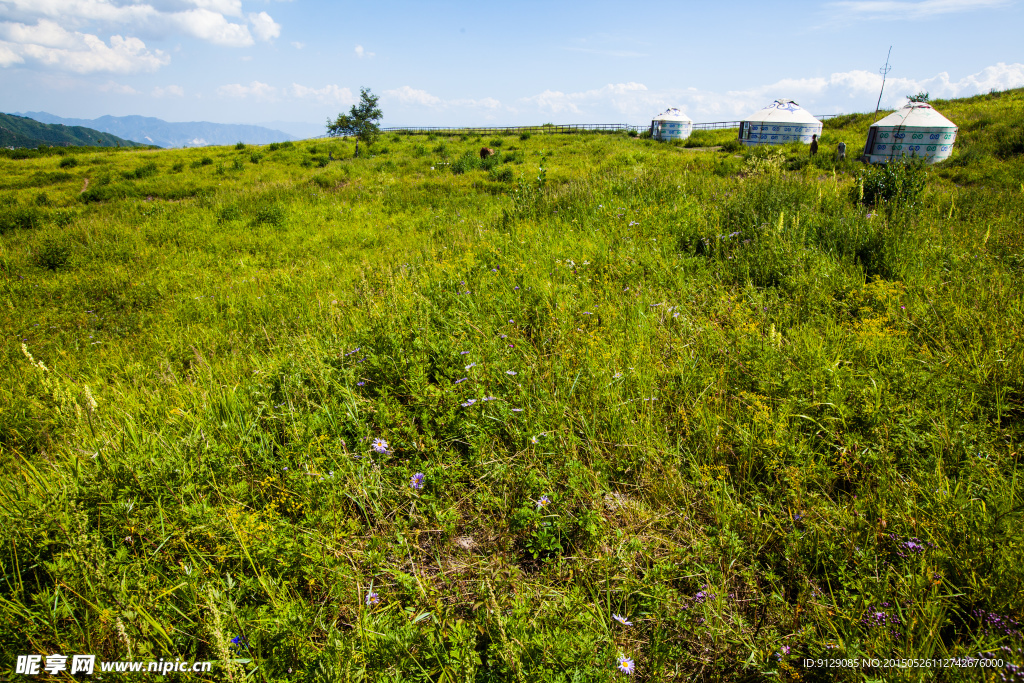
710 392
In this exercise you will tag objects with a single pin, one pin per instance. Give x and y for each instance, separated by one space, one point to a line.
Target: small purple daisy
417 480
626 665
379 445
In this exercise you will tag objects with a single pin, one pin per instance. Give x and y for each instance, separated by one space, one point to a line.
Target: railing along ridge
552 128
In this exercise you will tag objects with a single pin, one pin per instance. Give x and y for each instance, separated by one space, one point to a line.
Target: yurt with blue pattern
671 125
781 122
915 130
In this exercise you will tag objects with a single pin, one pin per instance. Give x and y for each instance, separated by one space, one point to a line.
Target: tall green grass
714 393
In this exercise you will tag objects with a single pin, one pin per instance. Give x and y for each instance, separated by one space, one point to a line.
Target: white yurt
915 130
780 122
671 125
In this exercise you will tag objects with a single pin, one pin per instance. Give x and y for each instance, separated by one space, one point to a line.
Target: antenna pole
884 70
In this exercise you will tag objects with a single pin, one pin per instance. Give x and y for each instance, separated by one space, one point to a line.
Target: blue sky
463 63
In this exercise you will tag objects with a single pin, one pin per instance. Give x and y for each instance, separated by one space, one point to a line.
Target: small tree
361 120
919 97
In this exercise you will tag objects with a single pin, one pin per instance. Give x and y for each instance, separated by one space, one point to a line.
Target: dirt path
84 185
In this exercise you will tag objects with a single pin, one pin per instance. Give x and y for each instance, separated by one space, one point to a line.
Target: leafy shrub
524 136
441 150
643 135
145 171
273 146
205 161
396 138
63 217
237 164
764 160
897 184
231 212
632 133
239 145
20 218
419 151
496 142
43 199
105 192
53 254
178 167
68 162
319 160
1009 142
269 214
255 157
732 146
467 162
500 173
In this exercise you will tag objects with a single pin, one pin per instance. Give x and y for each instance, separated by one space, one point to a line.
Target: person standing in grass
814 144
841 149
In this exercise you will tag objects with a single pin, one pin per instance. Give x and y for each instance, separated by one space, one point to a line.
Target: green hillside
592 404
19 131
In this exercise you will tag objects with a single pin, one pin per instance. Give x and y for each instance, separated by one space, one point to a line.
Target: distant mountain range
152 131
20 131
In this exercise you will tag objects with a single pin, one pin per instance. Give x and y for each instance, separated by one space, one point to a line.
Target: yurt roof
783 111
915 115
673 114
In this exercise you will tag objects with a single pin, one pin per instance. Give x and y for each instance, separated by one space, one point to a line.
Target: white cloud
360 52
619 95
900 10
203 19
328 93
211 27
840 92
264 27
117 88
49 44
168 91
297 45
260 91
8 56
407 95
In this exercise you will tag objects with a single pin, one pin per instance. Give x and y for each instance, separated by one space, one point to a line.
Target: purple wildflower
622 620
626 665
460 381
372 599
379 445
468 402
417 480
543 502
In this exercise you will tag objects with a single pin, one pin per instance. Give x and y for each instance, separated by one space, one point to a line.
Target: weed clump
68 162
53 254
466 162
272 214
147 170
896 184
